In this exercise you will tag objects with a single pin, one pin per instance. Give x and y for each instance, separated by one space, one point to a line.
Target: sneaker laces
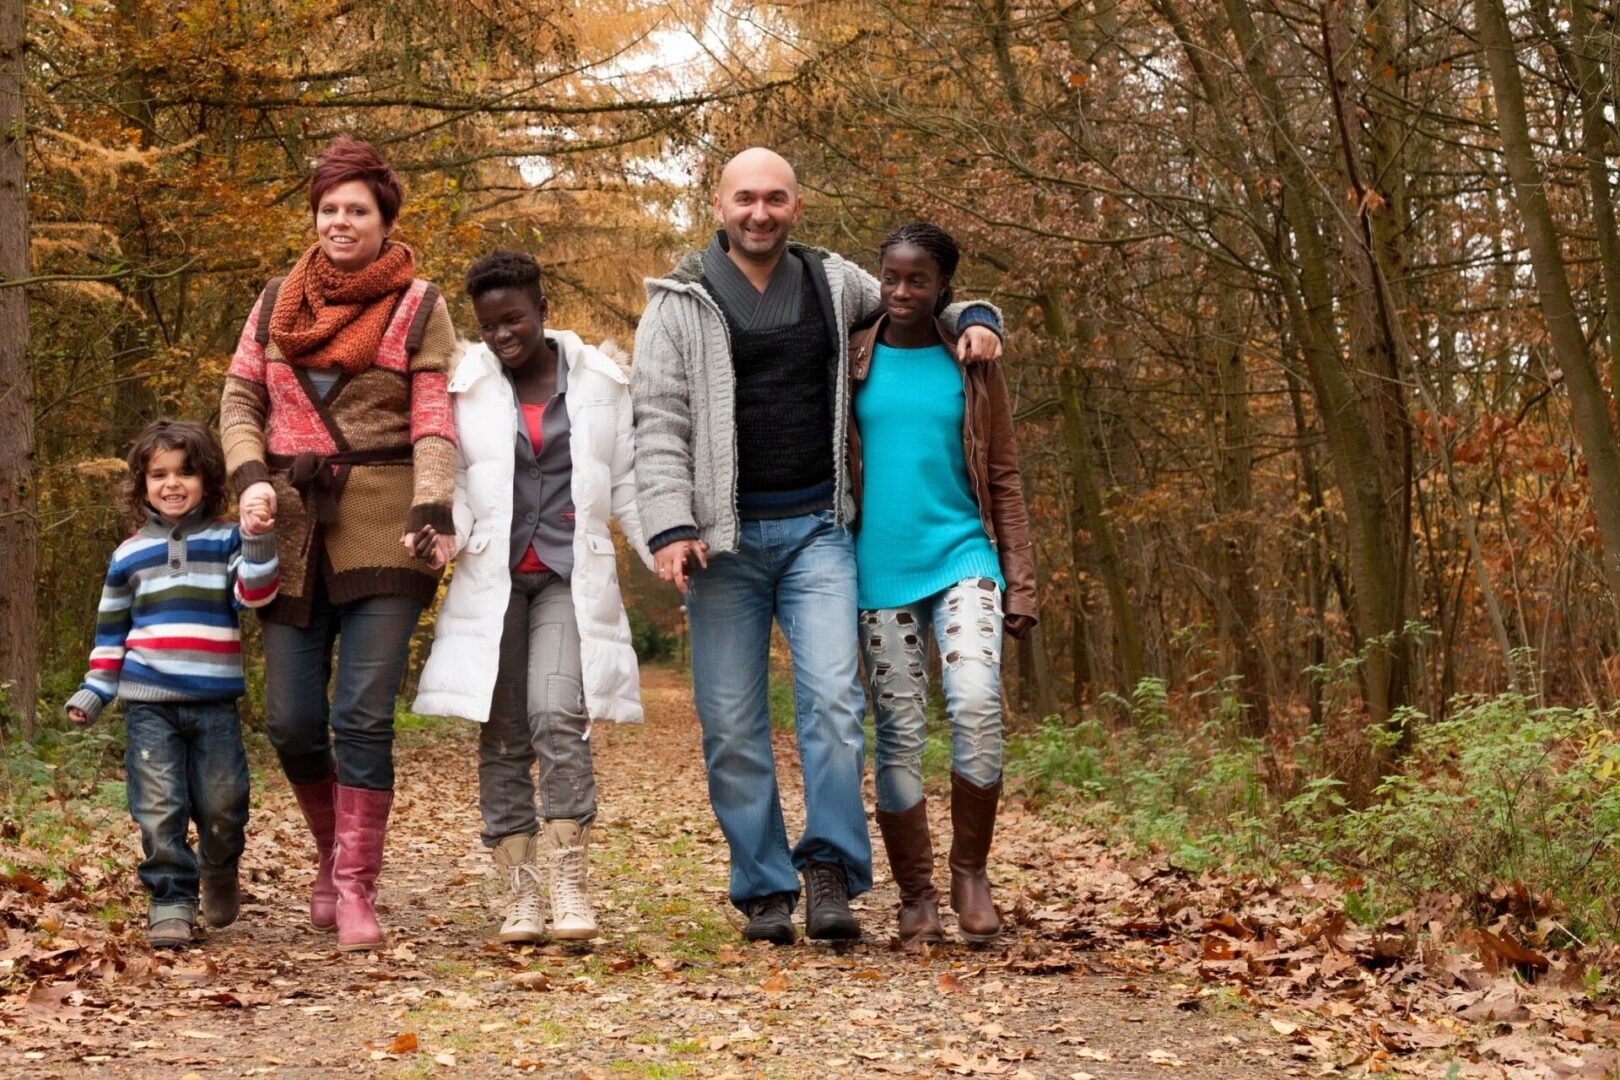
568 882
529 900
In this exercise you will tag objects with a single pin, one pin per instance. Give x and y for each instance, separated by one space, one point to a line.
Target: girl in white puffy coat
532 639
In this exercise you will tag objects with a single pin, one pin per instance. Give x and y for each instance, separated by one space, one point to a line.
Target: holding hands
428 543
674 561
258 509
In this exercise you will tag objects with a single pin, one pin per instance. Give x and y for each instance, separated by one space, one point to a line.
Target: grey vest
542 498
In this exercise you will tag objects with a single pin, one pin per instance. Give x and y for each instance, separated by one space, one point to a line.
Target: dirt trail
669 990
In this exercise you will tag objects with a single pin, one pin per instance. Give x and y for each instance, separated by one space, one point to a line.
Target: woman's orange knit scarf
325 317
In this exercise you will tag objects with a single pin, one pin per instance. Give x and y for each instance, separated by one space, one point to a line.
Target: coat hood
474 361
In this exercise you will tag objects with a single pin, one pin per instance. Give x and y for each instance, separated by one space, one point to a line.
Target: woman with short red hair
336 419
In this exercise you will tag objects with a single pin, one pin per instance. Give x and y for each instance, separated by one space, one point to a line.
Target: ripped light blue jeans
966 621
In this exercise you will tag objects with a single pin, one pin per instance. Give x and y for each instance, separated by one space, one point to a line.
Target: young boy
167 642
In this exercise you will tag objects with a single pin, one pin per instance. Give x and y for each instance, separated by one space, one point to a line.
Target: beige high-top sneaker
526 913
571 916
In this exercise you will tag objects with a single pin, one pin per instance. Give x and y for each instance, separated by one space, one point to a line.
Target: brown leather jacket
991 450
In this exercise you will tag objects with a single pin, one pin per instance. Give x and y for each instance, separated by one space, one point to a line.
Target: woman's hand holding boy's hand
258 513
674 561
260 500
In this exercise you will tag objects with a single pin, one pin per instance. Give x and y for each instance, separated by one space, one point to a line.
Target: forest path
669 989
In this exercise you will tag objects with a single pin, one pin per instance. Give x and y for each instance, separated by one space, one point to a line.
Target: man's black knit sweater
784 407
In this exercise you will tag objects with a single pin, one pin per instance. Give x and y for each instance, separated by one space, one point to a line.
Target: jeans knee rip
885 666
910 761
984 655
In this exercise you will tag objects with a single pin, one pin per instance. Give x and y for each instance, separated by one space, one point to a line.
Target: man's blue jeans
801 571
184 762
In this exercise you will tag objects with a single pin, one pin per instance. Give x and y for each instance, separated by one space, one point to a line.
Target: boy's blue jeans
801 572
184 763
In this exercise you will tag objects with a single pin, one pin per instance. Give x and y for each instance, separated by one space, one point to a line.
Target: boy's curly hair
202 454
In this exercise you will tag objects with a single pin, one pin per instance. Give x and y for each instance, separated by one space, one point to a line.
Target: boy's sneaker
826 903
221 900
770 918
169 934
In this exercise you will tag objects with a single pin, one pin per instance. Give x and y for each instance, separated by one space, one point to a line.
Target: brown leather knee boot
973 823
911 861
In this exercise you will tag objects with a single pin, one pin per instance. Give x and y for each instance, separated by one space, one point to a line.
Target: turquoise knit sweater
919 528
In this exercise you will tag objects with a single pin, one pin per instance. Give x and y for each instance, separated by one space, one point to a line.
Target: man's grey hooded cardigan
684 391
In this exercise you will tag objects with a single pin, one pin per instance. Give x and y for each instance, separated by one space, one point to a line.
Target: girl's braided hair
936 242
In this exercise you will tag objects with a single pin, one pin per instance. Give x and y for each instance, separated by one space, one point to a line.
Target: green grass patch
414 729
653 1070
780 696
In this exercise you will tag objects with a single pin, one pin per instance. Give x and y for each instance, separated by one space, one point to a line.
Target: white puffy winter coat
459 679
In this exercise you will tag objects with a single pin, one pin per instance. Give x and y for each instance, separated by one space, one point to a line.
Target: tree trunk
18 617
1596 145
1377 554
1234 506
134 398
1079 618
1588 401
1316 551
1034 674
1083 463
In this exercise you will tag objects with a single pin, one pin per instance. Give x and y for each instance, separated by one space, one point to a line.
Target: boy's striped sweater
167 627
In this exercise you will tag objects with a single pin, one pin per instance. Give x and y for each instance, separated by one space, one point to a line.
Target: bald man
741 401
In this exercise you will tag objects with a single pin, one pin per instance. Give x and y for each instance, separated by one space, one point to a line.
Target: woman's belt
319 478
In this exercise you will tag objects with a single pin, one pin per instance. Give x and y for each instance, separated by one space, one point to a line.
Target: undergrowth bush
1502 793
60 788
650 641
1501 796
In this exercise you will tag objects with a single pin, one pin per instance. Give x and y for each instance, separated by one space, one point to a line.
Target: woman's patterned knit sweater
391 437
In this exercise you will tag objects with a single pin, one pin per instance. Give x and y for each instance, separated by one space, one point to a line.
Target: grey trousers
538 714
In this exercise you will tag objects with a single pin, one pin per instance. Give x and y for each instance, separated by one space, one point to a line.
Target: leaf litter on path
1109 968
